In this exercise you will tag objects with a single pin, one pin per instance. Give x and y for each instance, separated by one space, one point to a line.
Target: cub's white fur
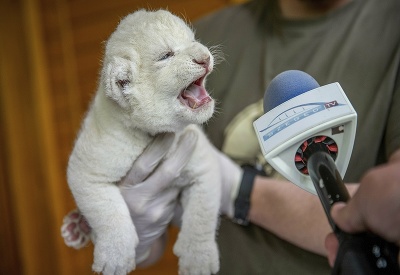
152 81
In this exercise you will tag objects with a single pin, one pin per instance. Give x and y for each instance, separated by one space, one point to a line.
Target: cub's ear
117 76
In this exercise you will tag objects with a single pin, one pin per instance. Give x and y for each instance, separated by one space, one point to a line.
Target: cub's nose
203 61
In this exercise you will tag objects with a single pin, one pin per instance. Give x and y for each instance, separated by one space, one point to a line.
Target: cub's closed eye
122 83
166 56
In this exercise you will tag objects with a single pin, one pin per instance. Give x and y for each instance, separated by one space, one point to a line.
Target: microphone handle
358 254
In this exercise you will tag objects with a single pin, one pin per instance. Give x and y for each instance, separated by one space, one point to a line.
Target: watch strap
242 202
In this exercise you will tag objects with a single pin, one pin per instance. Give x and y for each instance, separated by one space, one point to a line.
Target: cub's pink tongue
195 96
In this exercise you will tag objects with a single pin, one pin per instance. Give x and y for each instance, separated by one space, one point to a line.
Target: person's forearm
290 212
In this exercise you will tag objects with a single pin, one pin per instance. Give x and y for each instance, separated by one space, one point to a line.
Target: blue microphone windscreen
286 86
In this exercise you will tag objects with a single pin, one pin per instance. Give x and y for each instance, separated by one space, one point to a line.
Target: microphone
307 134
299 114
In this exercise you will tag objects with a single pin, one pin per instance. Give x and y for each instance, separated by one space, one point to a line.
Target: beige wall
50 52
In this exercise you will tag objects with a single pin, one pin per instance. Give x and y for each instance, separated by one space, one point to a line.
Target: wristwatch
242 202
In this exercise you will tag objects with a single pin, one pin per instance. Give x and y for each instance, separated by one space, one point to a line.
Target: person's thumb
148 160
347 217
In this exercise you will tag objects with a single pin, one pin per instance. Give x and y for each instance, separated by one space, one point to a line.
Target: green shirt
357 45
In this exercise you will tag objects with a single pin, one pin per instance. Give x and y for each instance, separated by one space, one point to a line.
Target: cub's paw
197 258
75 230
114 254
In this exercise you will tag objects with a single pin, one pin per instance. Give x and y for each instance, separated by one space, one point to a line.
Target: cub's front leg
115 237
196 245
95 165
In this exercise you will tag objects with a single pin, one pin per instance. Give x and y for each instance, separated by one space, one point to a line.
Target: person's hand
374 207
149 195
153 202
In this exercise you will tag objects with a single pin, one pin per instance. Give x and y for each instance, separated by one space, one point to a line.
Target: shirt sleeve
392 134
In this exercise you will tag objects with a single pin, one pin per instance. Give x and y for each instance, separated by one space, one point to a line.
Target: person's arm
290 212
278 206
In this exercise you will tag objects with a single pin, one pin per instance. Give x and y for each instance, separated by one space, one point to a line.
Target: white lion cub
152 81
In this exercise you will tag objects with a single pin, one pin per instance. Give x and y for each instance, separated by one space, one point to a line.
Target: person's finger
149 159
332 246
162 211
171 167
153 207
177 218
347 217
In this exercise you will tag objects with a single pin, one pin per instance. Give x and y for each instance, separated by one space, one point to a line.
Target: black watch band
242 202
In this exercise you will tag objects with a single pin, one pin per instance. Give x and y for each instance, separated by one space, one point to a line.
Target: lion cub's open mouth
195 95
